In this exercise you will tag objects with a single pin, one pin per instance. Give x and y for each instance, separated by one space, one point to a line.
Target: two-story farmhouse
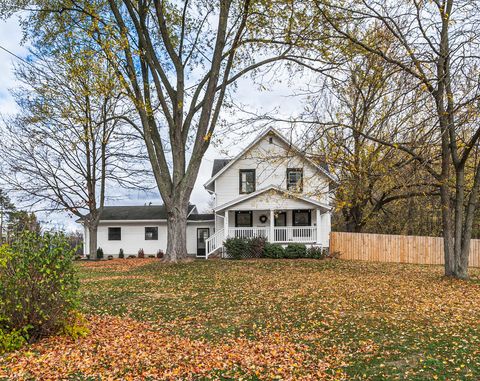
270 189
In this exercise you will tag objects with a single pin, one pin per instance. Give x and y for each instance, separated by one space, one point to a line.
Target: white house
271 189
132 228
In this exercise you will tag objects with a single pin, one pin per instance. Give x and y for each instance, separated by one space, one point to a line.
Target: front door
202 235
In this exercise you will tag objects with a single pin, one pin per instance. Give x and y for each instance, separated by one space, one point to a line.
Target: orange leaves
264 320
126 349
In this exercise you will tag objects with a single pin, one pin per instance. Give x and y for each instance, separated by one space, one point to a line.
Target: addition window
151 233
247 180
295 179
243 219
114 234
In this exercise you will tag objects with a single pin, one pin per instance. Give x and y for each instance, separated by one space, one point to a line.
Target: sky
248 96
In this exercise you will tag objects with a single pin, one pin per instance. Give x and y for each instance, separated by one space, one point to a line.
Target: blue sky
278 98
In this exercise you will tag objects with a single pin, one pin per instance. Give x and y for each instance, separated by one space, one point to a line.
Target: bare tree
6 209
366 98
70 142
435 44
177 63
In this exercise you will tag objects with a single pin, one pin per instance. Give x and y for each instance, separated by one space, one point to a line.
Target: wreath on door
263 218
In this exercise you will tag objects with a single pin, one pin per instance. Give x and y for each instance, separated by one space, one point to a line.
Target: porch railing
302 234
249 232
295 234
214 242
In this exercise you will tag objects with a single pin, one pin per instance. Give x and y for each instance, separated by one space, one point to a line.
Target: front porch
282 226
285 234
276 226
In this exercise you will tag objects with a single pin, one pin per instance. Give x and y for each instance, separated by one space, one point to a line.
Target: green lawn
268 319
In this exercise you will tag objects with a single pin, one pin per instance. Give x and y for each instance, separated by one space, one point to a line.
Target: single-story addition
271 189
132 228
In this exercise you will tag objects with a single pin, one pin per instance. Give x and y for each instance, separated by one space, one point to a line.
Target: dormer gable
273 150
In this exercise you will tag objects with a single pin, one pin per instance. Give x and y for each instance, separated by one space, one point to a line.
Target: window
247 180
151 233
301 218
295 179
281 219
243 219
270 140
114 234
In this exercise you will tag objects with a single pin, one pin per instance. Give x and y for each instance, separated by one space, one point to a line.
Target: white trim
271 187
262 135
112 222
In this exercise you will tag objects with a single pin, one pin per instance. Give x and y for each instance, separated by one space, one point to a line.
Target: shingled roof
146 212
218 164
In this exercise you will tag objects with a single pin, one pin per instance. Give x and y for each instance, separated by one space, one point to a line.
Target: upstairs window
247 181
151 233
114 234
295 179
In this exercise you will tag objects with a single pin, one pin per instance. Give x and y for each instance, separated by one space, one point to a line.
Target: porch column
319 227
271 237
225 224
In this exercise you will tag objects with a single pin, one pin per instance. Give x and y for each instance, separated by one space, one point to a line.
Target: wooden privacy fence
395 248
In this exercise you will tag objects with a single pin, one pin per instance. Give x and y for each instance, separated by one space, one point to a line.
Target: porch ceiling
272 198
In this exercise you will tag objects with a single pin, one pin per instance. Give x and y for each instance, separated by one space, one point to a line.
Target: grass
267 319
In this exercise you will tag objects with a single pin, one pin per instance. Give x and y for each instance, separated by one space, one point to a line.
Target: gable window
295 179
151 233
247 181
243 219
114 234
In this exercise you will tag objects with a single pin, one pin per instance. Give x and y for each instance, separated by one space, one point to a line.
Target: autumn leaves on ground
263 320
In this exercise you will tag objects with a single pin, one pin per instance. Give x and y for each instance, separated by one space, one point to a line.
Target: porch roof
287 195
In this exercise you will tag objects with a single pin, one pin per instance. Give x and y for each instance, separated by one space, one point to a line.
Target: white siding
133 237
192 234
325 228
272 200
257 213
270 160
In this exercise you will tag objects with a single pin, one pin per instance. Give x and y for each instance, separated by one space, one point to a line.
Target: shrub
110 257
38 286
296 250
131 256
78 257
13 340
141 253
160 254
75 326
256 247
316 252
99 253
237 248
273 250
121 254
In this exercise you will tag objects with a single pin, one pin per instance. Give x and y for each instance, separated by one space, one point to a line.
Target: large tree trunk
92 240
176 231
353 219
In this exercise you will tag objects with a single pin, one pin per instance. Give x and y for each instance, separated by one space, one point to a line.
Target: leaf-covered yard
262 320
